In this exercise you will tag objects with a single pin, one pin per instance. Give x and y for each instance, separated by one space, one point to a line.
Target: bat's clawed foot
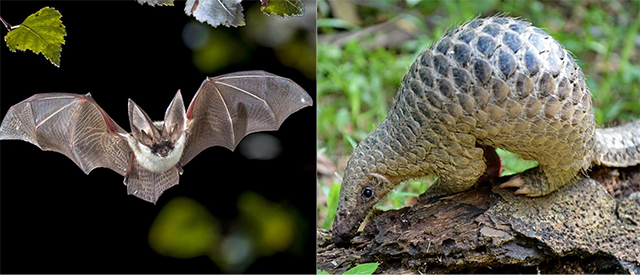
180 170
132 160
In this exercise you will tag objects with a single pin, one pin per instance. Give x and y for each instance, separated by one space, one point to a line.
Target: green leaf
332 205
216 12
42 32
322 272
362 269
283 8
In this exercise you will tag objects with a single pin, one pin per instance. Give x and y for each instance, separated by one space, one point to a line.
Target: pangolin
495 82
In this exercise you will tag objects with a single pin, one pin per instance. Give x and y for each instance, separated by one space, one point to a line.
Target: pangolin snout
343 230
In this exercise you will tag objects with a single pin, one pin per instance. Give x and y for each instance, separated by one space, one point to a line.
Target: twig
6 25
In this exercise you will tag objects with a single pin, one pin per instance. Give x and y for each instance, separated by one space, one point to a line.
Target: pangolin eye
367 193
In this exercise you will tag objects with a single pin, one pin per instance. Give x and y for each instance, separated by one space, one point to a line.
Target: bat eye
367 193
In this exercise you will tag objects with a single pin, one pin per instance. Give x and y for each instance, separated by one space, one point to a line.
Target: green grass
406 193
353 92
356 84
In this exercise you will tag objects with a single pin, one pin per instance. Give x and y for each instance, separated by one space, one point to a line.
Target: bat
223 111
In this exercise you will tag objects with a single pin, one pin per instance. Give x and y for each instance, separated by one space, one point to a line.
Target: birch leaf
283 8
42 32
216 12
157 2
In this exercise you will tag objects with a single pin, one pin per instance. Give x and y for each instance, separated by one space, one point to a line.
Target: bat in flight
223 111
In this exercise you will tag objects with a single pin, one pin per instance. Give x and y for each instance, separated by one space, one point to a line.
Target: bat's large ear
175 118
141 125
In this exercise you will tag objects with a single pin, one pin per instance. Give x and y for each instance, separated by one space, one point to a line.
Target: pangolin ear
141 125
175 118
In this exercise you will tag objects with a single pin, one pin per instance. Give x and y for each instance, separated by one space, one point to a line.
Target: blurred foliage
406 193
219 51
354 87
186 229
183 229
271 226
42 32
513 164
358 80
292 40
332 204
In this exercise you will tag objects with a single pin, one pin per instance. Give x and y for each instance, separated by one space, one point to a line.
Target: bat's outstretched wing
71 124
228 107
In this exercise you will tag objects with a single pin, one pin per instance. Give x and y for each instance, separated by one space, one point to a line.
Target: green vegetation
354 86
185 229
361 269
283 8
332 205
42 32
358 79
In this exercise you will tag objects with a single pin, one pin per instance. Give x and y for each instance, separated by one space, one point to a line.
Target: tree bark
580 228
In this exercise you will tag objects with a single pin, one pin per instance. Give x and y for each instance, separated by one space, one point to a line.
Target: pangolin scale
496 82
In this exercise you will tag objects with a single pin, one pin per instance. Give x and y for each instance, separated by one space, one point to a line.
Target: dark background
56 219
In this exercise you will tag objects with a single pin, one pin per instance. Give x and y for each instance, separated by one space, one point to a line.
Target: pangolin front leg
540 181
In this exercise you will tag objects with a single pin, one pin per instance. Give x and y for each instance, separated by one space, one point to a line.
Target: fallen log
580 228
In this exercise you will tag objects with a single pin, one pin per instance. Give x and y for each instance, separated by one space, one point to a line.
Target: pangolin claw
523 188
526 190
515 181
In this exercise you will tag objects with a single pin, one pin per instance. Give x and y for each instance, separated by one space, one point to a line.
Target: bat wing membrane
71 124
149 185
227 108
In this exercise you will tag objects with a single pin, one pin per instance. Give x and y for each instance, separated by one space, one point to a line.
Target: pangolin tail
618 146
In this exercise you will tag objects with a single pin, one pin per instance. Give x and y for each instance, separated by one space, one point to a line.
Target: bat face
158 146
